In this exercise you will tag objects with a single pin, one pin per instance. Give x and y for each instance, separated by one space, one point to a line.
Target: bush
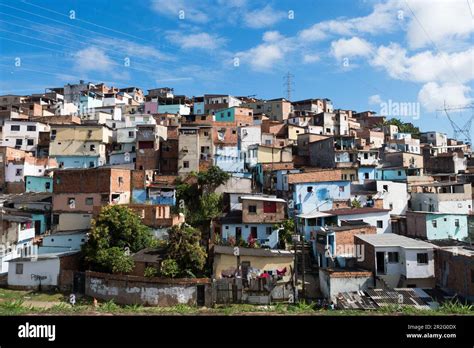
150 272
170 268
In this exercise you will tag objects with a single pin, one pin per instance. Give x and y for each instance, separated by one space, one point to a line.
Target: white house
30 272
22 135
398 261
16 238
379 218
395 196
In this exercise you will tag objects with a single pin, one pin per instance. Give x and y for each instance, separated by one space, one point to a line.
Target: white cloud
171 8
445 22
354 47
272 36
432 96
382 19
425 66
264 17
311 58
195 40
92 59
375 99
269 53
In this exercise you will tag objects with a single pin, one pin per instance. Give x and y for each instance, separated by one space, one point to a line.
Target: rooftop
356 211
394 240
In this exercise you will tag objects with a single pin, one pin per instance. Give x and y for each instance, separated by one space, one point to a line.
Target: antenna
288 78
460 133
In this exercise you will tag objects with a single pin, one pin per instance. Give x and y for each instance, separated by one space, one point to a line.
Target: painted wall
229 230
229 159
306 202
395 196
362 171
38 184
48 268
79 161
174 109
332 286
371 219
446 226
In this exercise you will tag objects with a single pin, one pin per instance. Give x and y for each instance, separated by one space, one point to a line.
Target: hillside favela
119 197
223 172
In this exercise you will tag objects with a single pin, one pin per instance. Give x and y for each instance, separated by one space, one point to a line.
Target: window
269 207
19 142
89 201
385 188
30 142
31 128
434 223
422 258
253 209
366 175
19 172
206 134
456 222
379 224
14 128
120 180
269 230
186 164
310 189
392 257
366 156
91 164
92 147
47 185
131 134
341 188
390 206
399 173
19 268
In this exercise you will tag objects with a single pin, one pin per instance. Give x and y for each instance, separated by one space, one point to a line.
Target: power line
433 43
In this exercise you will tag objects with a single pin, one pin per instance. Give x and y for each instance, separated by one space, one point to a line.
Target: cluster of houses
373 207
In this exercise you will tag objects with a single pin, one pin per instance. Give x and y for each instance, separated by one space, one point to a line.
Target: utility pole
303 267
288 83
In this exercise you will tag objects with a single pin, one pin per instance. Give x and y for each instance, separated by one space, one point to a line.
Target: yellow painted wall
223 262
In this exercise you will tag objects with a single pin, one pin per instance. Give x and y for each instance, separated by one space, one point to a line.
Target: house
22 135
397 261
334 246
41 272
334 281
241 116
403 142
16 238
77 191
149 187
62 242
147 146
80 146
437 225
38 183
124 147
224 261
33 205
393 194
454 264
156 216
276 109
145 258
442 197
255 221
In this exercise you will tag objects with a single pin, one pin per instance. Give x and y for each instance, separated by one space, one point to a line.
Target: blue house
436 226
366 173
38 183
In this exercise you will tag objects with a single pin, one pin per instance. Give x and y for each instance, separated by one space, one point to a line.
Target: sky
403 58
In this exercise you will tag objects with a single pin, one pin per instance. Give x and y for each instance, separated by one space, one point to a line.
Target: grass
12 302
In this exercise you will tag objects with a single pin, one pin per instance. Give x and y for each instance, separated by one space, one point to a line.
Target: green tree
184 247
211 179
355 204
286 229
116 233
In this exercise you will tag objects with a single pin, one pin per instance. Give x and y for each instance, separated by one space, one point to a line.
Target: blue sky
360 54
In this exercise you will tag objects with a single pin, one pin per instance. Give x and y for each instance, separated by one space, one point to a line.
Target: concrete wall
331 284
146 291
48 268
